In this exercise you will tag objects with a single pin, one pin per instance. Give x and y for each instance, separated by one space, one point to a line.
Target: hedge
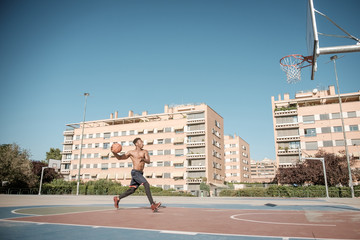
291 191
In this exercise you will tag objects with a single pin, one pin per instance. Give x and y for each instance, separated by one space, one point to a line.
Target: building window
324 116
351 114
132 132
74 166
354 128
88 155
95 166
90 136
121 165
160 152
130 164
338 129
106 145
87 166
308 119
328 143
335 115
160 141
76 156
168 129
167 140
167 175
96 155
339 142
310 132
77 137
89 145
179 130
104 166
107 135
113 165
97 145
355 142
116 134
178 165
151 152
167 164
167 152
325 130
123 133
311 145
160 164
68 156
179 152
196 115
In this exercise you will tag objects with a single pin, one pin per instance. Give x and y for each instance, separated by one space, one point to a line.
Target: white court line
164 231
56 214
279 223
179 232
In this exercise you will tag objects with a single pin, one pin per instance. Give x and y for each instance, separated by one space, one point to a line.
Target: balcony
285 113
66 161
65 171
68 132
195 121
282 152
195 156
195 144
197 180
195 168
288 138
195 132
68 142
66 151
287 125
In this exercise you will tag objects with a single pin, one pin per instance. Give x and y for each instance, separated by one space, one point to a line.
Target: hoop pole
339 49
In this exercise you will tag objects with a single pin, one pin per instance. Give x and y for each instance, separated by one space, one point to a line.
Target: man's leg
148 192
128 192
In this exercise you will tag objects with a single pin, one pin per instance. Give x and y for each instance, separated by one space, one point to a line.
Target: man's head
138 142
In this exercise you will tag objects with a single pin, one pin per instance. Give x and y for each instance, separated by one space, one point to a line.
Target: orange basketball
116 148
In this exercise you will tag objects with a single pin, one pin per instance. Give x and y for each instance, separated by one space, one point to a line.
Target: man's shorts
137 178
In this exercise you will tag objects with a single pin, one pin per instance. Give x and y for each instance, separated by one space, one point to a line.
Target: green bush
290 191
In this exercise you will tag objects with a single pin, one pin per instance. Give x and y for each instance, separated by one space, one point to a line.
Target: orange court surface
94 217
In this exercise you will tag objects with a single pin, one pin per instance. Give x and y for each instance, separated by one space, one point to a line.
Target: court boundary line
279 223
169 231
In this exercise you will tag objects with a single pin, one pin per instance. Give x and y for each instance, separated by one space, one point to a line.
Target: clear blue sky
142 54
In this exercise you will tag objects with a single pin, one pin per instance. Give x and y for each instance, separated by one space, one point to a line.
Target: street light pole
81 144
333 58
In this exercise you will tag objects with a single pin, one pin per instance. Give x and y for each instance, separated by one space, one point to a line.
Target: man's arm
122 157
147 157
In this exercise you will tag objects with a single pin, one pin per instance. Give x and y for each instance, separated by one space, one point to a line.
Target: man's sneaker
116 202
155 206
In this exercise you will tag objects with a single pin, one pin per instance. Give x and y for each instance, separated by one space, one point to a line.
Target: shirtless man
139 157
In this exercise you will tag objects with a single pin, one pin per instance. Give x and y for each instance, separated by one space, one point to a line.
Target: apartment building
311 122
263 171
185 143
237 159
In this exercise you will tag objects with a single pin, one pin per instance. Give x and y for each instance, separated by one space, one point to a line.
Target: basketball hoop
292 65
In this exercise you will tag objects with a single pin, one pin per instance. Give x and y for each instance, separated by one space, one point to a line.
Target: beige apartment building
185 143
237 159
263 171
311 122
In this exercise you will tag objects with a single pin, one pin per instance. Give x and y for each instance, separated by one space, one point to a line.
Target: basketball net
292 65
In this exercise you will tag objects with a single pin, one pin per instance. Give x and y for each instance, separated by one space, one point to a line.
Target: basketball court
180 218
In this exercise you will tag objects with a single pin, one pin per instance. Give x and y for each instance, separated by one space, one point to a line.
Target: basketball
116 148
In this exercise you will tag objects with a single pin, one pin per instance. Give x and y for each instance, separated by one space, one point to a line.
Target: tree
15 166
54 153
49 173
311 171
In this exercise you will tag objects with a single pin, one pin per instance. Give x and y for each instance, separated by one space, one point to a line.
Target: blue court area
31 230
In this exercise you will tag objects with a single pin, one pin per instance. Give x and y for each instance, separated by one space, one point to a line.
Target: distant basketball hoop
292 65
